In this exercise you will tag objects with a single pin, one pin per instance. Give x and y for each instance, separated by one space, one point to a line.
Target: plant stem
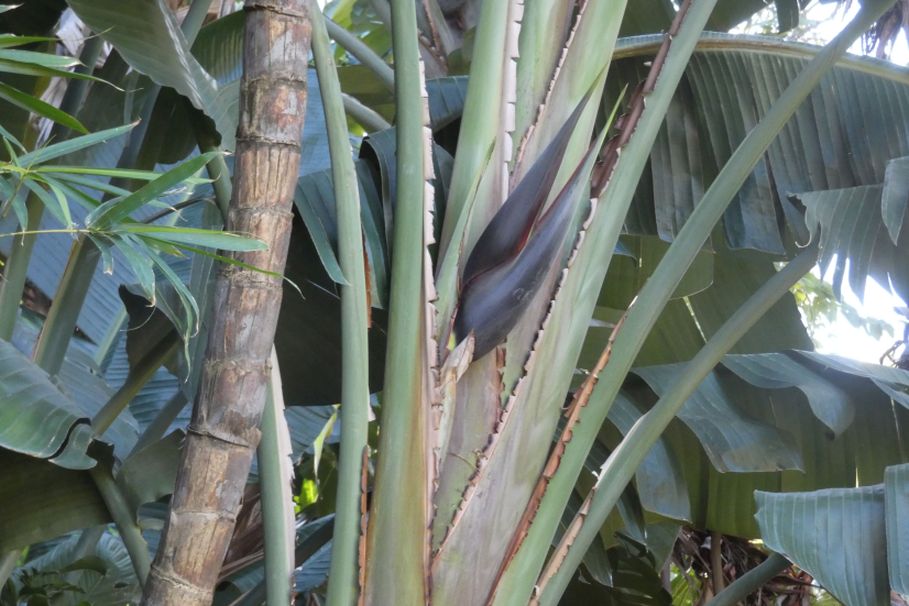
368 118
64 311
343 580
361 51
275 475
217 168
194 19
716 562
155 430
124 519
398 536
138 376
16 269
224 431
621 465
751 581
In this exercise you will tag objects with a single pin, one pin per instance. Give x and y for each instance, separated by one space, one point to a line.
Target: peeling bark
224 430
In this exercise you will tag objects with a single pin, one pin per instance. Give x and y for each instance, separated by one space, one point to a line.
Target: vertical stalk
14 273
275 474
138 376
716 562
224 429
621 465
343 580
398 535
119 510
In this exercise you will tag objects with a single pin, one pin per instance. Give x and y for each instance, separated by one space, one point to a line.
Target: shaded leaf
733 441
36 418
148 37
40 500
846 551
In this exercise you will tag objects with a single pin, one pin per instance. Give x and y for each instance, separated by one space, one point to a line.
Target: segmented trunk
225 427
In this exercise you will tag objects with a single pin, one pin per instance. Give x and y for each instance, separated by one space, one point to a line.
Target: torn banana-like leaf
507 233
494 298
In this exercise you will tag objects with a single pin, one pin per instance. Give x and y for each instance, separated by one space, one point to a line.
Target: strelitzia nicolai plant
485 423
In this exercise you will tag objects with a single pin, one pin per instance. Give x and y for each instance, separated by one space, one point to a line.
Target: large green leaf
40 500
829 403
836 535
851 226
839 416
896 511
147 35
36 418
733 441
103 577
842 136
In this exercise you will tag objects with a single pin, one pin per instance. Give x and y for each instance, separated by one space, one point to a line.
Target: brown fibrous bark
224 431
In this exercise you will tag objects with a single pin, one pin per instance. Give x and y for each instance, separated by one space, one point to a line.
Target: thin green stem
194 19
275 474
166 416
138 376
368 118
110 338
217 168
398 535
120 512
751 581
15 272
362 52
64 311
622 464
343 581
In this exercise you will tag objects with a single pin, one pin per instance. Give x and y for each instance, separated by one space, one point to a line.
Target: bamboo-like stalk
361 51
621 465
224 430
343 580
397 543
659 287
275 475
751 581
14 273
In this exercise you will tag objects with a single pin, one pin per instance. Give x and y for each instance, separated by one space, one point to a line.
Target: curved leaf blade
837 535
36 418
